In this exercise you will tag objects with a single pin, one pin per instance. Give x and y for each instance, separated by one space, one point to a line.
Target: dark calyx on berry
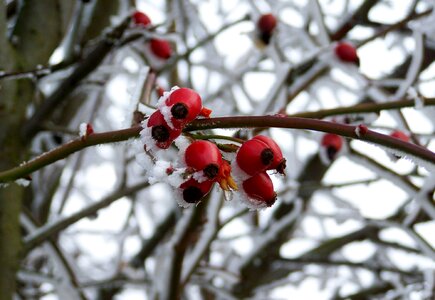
211 171
265 37
280 168
267 156
160 133
179 111
192 194
271 201
331 152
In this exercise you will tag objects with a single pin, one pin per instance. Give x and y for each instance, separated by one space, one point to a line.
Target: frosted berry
194 191
204 156
260 188
266 24
186 105
279 162
254 156
400 135
161 48
139 18
332 143
346 52
161 133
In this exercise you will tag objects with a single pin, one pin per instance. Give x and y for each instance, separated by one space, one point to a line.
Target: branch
292 264
174 251
362 108
41 234
65 150
150 244
89 64
380 288
303 123
421 154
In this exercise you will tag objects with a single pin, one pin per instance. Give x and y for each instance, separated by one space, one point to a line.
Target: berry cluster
201 163
175 109
254 158
159 47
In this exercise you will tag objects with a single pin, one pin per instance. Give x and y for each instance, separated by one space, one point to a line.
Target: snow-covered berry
185 105
332 143
204 156
260 189
161 133
193 191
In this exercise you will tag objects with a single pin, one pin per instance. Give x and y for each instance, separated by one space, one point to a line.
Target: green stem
222 122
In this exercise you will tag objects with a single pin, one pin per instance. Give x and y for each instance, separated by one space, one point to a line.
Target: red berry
254 156
279 162
400 135
161 48
193 191
162 134
204 156
347 52
185 105
332 143
265 26
260 188
266 23
142 19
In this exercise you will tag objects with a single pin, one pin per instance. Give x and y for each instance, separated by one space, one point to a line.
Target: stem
46 231
222 122
317 125
395 26
65 150
362 108
83 69
216 137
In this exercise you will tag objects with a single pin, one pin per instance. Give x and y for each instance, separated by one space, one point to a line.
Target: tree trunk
36 35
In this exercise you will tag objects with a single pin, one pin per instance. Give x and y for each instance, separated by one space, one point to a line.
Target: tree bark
35 36
10 197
